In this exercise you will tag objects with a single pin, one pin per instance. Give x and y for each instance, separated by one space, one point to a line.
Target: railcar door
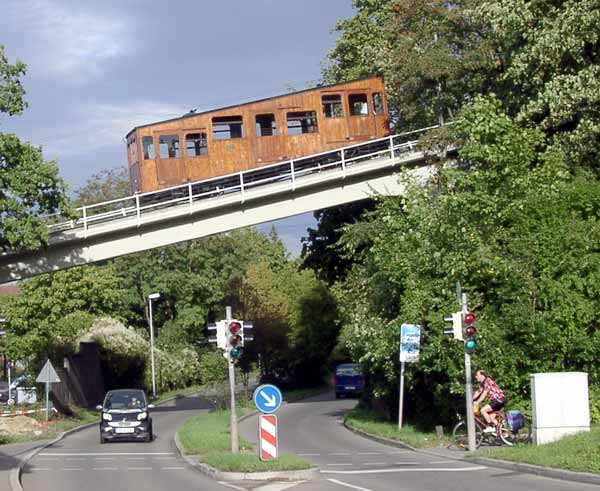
361 122
334 124
170 165
268 139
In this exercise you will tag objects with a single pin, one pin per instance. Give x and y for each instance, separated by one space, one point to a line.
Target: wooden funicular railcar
222 141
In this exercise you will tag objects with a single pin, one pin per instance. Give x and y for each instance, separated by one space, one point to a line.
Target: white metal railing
240 182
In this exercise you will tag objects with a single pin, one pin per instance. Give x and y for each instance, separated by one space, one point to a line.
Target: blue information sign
410 337
267 398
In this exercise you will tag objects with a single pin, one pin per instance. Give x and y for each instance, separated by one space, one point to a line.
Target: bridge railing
287 173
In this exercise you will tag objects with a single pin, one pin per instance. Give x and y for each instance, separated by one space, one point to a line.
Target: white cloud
71 43
101 125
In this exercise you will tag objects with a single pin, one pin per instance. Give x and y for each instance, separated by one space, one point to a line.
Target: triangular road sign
48 374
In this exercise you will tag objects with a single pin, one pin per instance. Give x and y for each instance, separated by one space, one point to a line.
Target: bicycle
502 435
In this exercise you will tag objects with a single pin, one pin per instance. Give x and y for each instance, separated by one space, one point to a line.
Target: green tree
29 186
320 249
53 309
106 185
518 231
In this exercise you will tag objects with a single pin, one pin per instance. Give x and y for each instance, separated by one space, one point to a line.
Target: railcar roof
191 115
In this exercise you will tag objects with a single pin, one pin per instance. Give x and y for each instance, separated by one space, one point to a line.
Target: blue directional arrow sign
267 398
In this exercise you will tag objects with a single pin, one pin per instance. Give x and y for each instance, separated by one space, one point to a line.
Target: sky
96 69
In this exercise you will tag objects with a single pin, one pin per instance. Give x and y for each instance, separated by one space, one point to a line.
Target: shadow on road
186 403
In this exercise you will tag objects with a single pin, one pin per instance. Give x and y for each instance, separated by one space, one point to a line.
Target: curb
214 473
15 473
565 475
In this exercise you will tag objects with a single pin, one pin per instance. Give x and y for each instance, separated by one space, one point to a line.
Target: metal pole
48 399
152 350
235 444
469 390
401 404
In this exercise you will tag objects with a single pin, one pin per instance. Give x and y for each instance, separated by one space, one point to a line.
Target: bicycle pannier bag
515 420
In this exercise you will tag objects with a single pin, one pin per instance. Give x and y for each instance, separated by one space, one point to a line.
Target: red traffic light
234 327
469 318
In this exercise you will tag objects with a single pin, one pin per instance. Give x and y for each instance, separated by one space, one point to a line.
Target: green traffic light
235 353
470 345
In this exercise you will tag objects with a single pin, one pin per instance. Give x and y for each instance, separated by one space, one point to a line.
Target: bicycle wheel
521 436
461 438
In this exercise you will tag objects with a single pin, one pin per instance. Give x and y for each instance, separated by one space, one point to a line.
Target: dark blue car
348 380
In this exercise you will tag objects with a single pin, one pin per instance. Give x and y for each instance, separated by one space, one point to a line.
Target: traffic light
235 338
456 329
469 332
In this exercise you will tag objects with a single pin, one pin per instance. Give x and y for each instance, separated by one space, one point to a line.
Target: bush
125 357
595 403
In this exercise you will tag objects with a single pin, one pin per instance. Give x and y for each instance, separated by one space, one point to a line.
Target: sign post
47 376
267 399
410 339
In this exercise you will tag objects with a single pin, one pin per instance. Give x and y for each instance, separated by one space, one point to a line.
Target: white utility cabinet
560 405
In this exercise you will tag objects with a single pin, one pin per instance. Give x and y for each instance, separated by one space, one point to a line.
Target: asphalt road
79 462
313 429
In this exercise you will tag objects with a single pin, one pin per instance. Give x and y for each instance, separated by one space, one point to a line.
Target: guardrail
189 194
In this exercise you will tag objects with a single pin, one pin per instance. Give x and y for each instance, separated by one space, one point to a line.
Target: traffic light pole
235 443
469 389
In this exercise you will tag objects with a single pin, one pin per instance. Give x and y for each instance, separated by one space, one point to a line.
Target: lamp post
152 296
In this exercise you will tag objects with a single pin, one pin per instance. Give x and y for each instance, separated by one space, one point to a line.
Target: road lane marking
103 453
368 453
139 468
411 463
339 453
105 468
40 469
425 469
348 485
339 464
75 458
232 486
278 486
442 461
374 463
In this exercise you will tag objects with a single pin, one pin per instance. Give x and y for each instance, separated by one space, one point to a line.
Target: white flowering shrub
125 356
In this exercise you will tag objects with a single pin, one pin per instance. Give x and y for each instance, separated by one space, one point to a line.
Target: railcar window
148 147
377 103
265 125
132 147
332 106
169 147
299 123
226 127
196 144
358 105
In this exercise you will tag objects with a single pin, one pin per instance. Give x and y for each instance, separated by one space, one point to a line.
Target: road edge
562 474
550 472
14 479
214 473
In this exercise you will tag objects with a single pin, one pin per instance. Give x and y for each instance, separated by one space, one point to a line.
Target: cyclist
488 389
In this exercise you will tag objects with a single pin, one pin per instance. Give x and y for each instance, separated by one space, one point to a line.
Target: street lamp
152 296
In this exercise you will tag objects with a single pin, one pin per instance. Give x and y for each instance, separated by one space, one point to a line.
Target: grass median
208 437
579 453
372 423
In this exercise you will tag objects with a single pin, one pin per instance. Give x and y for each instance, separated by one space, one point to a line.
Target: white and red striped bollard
268 436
